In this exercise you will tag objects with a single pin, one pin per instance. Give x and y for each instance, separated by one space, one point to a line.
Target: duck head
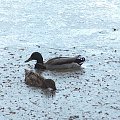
36 56
50 84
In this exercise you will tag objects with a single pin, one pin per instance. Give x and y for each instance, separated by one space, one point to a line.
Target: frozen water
61 28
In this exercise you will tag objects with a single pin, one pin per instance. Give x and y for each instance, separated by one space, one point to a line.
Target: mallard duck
56 63
34 79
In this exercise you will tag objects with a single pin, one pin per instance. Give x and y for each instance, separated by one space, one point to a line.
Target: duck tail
79 60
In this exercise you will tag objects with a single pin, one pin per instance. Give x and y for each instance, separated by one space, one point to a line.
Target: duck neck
40 66
40 61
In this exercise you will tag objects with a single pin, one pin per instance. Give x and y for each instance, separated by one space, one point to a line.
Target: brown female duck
34 79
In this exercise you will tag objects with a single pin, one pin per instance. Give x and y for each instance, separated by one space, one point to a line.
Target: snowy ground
61 28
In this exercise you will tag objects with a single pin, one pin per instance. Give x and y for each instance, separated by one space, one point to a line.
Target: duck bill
55 88
28 59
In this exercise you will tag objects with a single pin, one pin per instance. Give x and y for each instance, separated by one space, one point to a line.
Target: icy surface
61 28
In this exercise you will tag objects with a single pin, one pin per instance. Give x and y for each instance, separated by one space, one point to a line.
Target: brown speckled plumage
34 79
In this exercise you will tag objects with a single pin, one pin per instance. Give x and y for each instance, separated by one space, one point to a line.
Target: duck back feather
64 60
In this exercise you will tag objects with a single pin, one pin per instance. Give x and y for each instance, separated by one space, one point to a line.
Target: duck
36 80
57 62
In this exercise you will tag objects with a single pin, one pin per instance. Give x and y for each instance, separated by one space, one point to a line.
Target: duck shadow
80 71
47 93
44 92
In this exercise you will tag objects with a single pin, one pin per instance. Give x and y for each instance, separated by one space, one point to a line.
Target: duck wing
65 60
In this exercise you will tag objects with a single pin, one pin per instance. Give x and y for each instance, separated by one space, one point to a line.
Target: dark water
60 28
